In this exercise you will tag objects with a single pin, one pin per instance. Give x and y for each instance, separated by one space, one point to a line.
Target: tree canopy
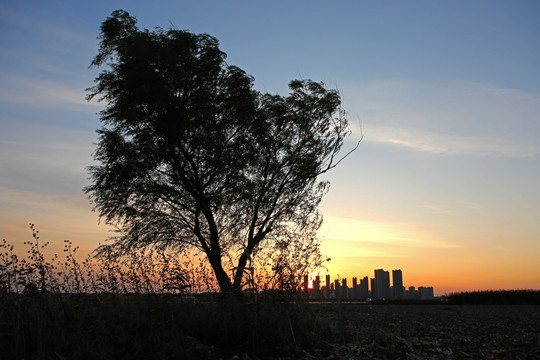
191 156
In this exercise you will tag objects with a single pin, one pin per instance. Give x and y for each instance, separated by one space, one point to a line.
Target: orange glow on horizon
357 248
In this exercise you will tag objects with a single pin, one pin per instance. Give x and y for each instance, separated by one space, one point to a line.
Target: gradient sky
445 184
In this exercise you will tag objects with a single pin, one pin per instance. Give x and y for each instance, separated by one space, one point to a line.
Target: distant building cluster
377 288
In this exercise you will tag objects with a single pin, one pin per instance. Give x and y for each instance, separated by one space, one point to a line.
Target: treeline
496 297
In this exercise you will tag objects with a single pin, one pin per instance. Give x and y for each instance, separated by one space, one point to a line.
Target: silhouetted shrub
54 307
148 271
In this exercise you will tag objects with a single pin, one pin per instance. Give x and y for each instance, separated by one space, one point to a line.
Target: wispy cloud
44 159
437 209
45 30
44 94
448 118
379 234
464 207
445 144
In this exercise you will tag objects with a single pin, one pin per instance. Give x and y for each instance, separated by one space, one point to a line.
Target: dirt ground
430 332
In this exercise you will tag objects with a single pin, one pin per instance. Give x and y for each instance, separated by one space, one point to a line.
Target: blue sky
446 94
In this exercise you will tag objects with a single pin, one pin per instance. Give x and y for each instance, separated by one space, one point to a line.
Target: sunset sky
445 184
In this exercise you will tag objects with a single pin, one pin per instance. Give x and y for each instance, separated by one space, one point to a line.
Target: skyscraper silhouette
364 288
397 282
317 283
381 285
328 286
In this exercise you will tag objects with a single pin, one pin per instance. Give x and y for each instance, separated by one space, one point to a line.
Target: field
438 331
49 326
67 309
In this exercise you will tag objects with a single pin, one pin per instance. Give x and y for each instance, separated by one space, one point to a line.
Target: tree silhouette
191 156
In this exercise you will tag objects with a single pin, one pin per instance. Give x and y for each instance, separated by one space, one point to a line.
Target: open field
437 331
153 327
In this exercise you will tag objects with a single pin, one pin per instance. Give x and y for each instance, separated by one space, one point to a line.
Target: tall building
381 288
364 288
344 289
317 283
328 286
337 288
355 288
397 282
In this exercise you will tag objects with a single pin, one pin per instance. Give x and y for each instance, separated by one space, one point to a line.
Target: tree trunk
222 278
242 261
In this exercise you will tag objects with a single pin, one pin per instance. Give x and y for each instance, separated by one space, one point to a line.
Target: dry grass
70 309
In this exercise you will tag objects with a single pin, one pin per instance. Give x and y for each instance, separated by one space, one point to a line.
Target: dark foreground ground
151 327
436 332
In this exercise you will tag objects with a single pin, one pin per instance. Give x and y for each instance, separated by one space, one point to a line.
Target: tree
191 156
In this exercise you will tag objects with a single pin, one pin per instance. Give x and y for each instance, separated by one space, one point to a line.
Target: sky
444 185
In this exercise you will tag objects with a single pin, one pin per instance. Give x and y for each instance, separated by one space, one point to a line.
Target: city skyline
445 97
376 288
